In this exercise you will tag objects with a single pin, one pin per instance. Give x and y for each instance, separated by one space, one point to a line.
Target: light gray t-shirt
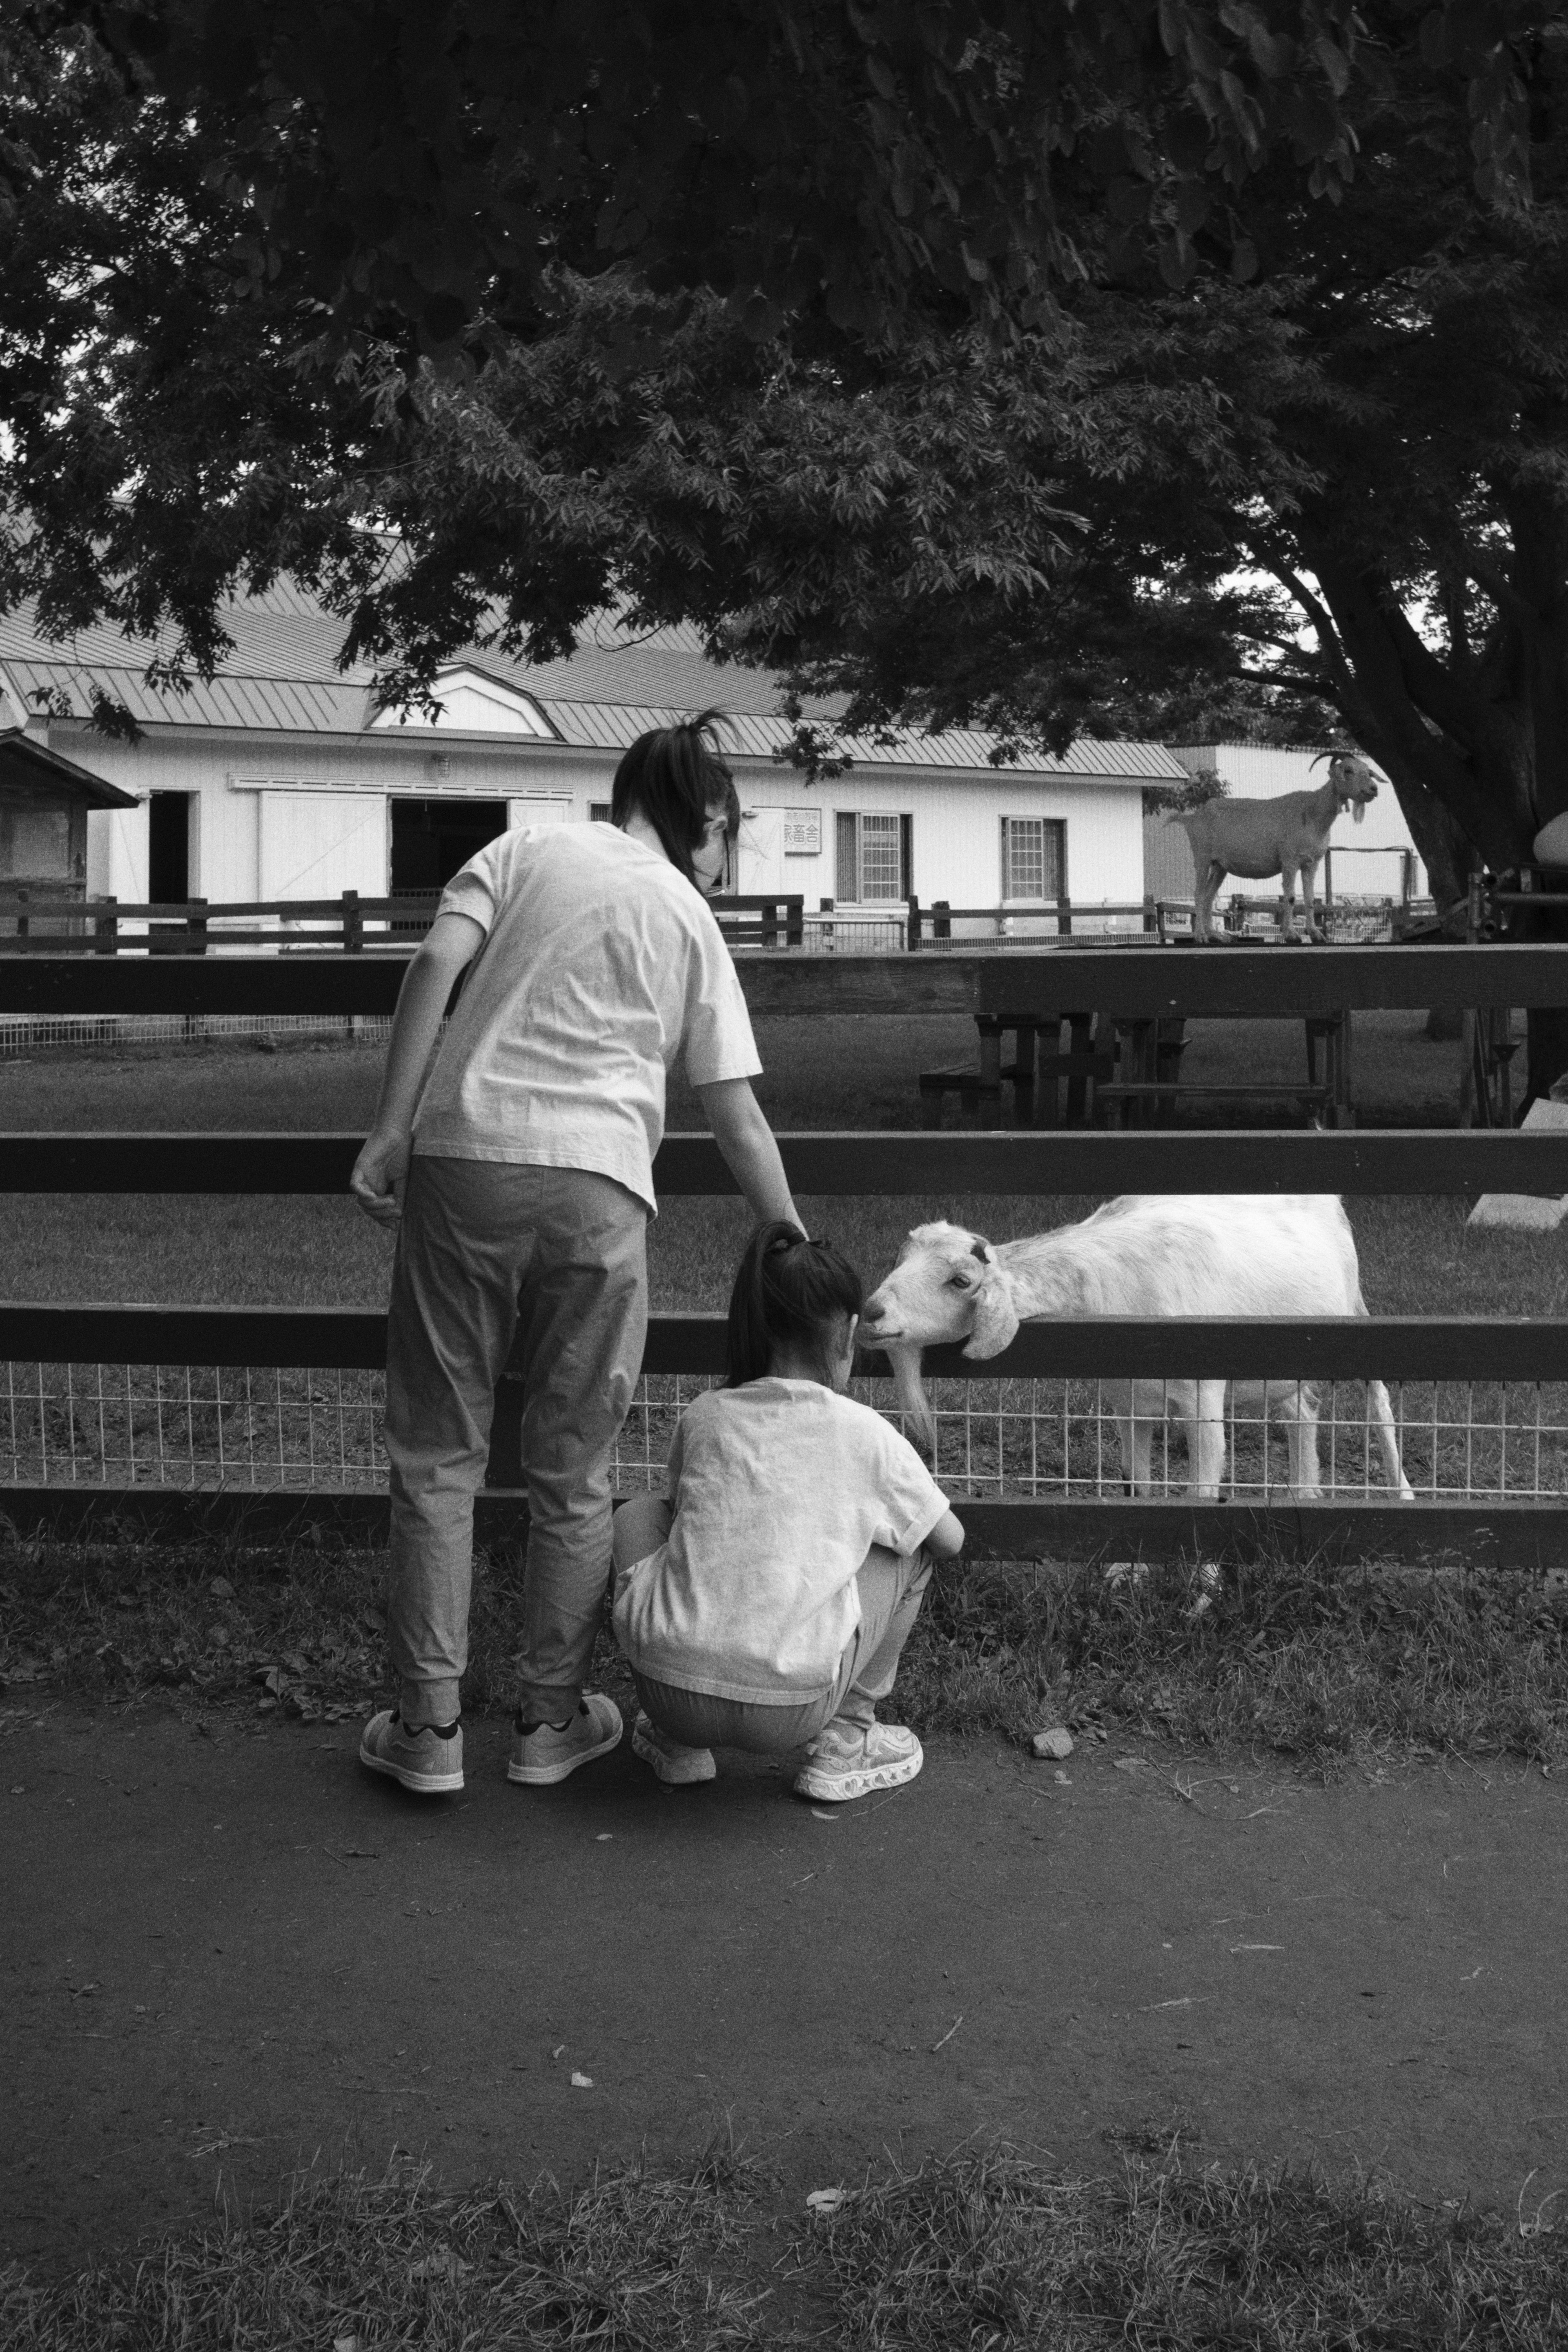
600 962
780 1489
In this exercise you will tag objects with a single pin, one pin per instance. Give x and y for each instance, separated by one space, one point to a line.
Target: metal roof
283 676
22 754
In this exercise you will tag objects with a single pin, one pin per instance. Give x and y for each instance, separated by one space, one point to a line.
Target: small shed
44 802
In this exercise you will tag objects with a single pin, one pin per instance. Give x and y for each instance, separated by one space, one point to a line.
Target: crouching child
763 1602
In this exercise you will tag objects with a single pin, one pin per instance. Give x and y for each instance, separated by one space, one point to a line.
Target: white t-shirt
780 1488
600 962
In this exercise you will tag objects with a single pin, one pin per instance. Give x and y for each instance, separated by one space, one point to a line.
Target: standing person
518 1169
764 1604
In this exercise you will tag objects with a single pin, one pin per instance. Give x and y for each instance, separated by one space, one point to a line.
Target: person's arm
746 1141
448 946
946 1539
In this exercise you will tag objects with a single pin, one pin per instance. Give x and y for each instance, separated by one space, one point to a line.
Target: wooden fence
901 1165
38 923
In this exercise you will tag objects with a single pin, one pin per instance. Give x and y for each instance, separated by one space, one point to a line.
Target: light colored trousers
490 1253
892 1587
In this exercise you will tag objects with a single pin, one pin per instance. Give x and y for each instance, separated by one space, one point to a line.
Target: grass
980 2249
1325 1667
1417 1256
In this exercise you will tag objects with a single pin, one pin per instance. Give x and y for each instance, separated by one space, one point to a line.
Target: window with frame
598 812
875 856
1034 858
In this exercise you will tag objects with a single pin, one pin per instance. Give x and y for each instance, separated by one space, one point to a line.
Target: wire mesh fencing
27 1034
120 1426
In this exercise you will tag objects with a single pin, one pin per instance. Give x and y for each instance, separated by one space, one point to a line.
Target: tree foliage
1048 367
432 162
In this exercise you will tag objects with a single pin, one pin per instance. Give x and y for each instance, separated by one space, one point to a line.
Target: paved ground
230 1955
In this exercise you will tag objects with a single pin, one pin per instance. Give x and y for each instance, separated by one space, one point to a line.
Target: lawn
981 2248
1416 1255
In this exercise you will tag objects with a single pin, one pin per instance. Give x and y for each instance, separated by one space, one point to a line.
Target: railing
111 926
1034 923
192 927
181 1412
98 1396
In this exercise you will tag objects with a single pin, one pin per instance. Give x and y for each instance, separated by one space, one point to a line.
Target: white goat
1285 836
1197 1255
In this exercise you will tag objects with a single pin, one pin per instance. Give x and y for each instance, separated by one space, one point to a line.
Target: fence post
105 927
795 934
197 926
941 920
1064 919
24 922
825 907
353 923
912 936
1150 922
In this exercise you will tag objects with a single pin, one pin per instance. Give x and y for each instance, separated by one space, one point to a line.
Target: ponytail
789 1292
674 776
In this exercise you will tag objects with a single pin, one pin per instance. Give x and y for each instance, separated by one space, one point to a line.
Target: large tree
1050 366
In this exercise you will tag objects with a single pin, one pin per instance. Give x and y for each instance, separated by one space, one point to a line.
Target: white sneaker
420 1760
677 1767
846 1762
542 1756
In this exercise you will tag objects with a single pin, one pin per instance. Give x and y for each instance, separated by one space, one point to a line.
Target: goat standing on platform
1147 1255
1287 836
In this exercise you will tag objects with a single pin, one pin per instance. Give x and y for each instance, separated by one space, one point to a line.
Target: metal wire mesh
119 1425
25 1034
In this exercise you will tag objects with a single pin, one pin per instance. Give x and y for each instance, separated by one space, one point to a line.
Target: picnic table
1127 1065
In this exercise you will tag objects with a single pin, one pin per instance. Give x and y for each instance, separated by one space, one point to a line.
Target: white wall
957 830
254 837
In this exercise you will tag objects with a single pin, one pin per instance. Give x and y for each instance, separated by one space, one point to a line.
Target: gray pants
892 1590
554 1259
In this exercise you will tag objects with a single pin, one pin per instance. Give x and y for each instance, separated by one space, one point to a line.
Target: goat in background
1146 1255
1287 837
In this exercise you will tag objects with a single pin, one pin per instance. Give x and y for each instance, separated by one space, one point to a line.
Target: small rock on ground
1056 1744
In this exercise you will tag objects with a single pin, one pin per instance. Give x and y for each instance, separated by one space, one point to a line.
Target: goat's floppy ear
995 1317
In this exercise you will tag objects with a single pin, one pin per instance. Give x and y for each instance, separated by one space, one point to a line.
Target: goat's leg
1200 1408
1207 888
1297 1407
1137 1433
1205 1440
1315 932
1388 1441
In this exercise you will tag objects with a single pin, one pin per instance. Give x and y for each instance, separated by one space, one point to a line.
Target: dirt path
230 1955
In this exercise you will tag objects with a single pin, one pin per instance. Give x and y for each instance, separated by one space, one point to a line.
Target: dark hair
788 1290
675 775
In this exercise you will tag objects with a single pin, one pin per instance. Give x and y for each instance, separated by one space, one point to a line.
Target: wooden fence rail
1093 1348
1049 1162
189 926
1210 982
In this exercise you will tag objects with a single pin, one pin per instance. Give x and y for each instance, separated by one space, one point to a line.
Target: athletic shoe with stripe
848 1761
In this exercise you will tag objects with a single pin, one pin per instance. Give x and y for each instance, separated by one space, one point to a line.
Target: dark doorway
168 848
431 839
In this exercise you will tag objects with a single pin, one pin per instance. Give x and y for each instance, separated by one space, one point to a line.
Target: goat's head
947 1286
1352 779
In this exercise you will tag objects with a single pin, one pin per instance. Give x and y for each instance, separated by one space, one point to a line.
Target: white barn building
1374 859
280 779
